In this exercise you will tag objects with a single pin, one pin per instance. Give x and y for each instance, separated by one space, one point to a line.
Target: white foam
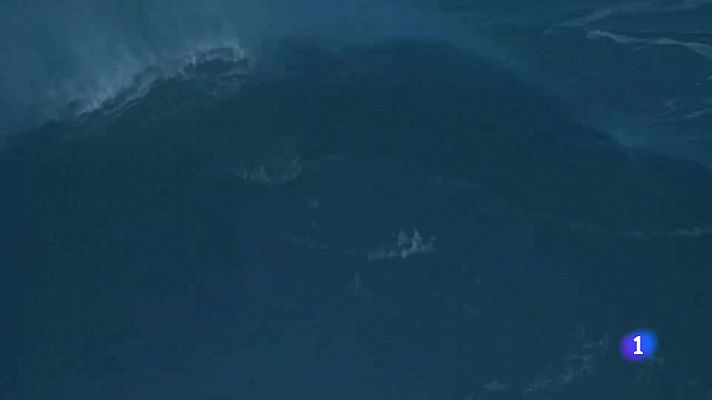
631 9
495 386
576 366
115 88
702 49
697 114
603 13
405 246
686 232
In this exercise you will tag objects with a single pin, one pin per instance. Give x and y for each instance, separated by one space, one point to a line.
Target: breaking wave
216 70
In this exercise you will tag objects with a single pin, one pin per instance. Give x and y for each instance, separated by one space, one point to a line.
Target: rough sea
358 199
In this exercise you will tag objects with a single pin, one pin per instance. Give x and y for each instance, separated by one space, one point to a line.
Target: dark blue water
403 219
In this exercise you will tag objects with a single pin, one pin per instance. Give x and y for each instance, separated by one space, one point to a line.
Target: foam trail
607 12
631 9
702 49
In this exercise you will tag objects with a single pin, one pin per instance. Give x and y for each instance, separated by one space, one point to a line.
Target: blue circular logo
639 345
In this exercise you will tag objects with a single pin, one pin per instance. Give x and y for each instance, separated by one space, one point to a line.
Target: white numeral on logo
638 351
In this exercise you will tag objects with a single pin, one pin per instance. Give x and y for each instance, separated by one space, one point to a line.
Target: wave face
346 200
346 210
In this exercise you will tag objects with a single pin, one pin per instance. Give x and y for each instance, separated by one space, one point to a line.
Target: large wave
80 56
112 89
75 56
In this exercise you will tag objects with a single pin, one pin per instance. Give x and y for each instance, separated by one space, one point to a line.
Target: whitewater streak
701 49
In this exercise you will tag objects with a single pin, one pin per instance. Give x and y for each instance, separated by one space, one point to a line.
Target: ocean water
370 200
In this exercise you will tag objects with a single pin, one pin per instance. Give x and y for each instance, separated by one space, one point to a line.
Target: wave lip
215 71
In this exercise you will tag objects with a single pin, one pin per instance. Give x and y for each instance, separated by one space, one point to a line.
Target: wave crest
214 70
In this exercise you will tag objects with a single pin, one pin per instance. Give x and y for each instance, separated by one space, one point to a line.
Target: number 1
638 351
